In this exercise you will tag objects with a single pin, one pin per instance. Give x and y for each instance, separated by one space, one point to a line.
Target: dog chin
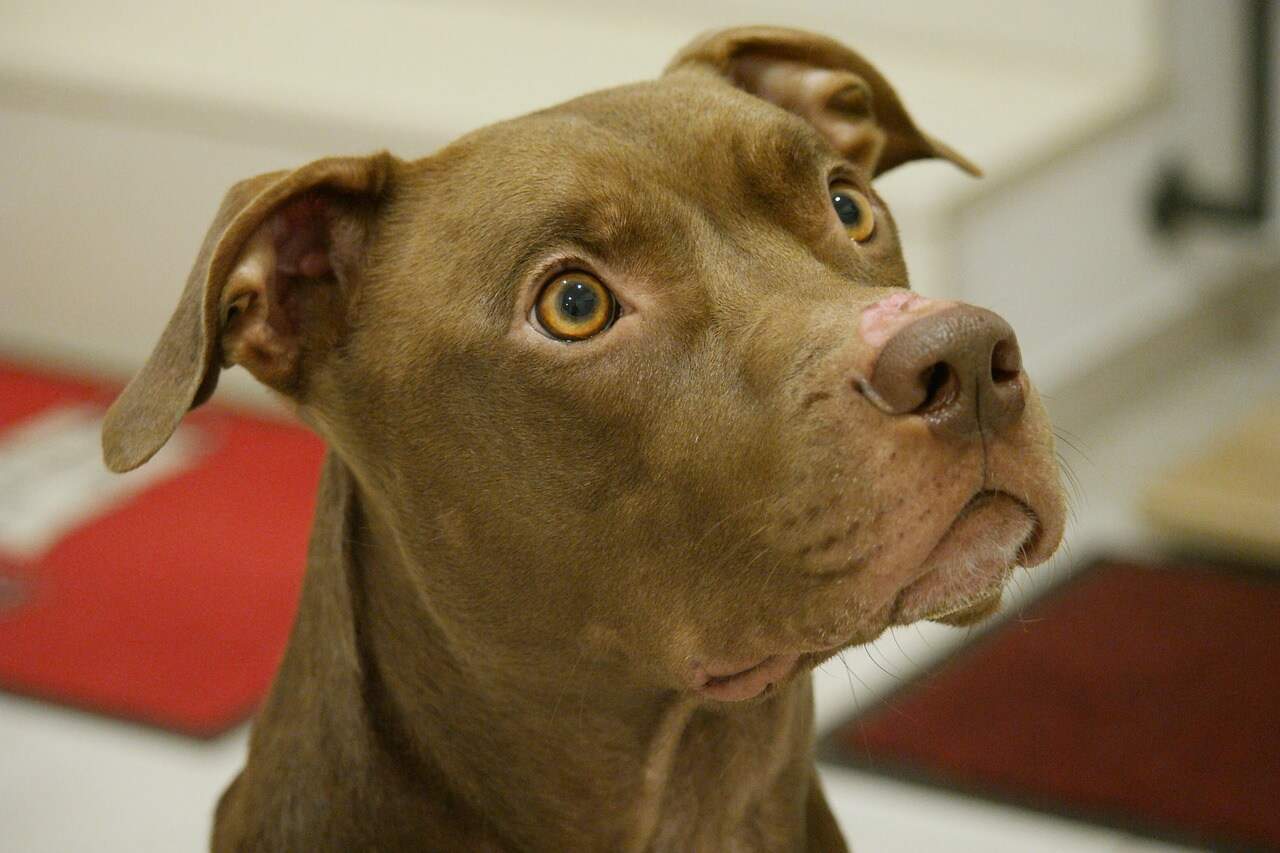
970 614
966 571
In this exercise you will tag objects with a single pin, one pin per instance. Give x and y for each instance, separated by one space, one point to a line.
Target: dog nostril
941 384
959 368
1006 361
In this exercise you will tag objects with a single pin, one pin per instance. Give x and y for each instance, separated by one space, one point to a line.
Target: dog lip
730 684
980 499
1031 544
982 584
1028 551
849 569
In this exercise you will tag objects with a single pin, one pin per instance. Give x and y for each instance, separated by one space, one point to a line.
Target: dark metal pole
1175 200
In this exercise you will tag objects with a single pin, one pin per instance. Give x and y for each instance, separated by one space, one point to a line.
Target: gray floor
71 781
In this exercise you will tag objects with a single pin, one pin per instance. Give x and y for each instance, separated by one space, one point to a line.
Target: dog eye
574 307
854 211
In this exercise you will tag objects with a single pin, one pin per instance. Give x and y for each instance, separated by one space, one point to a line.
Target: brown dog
632 422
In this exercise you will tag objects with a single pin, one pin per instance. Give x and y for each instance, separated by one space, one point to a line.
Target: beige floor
71 782
1228 497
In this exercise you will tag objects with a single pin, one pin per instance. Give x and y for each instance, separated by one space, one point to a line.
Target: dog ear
827 84
275 267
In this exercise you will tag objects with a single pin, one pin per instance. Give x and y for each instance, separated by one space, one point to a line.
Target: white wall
122 123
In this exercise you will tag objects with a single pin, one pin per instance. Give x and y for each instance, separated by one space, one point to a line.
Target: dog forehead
687 133
691 114
643 164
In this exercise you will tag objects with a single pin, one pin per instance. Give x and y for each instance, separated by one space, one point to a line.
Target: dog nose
960 369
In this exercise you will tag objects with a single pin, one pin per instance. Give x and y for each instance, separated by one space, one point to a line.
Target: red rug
1142 697
164 596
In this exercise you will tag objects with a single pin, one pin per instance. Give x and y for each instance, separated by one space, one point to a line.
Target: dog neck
495 758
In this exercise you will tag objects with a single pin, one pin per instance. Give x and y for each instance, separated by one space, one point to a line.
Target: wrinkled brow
780 162
630 229
795 149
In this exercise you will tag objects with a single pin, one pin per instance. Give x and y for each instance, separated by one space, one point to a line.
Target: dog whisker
850 675
893 632
867 649
1073 441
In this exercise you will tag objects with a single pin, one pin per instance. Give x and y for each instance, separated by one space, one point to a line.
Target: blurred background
1125 227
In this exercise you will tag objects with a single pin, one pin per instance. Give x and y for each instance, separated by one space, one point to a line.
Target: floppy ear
827 84
268 286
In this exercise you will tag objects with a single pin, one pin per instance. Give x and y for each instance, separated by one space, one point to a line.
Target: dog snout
959 369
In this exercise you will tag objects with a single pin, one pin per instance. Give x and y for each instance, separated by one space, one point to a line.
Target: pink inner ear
301 233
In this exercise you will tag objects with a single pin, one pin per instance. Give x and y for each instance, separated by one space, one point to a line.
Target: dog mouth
961 581
737 682
964 575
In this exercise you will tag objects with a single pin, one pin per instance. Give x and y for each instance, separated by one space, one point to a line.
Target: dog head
637 381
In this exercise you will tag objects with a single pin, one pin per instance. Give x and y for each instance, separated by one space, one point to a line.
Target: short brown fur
521 546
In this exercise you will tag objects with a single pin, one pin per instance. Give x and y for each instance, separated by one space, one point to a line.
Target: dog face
631 382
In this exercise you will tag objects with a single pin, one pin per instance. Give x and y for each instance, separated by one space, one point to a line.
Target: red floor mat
1137 696
164 596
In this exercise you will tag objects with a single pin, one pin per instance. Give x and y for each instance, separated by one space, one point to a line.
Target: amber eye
575 306
854 211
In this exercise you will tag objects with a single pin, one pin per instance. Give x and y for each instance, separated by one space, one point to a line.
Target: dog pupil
846 208
577 300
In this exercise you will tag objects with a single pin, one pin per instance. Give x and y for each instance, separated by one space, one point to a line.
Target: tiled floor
70 781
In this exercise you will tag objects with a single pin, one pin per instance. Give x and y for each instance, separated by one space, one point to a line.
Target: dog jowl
633 419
